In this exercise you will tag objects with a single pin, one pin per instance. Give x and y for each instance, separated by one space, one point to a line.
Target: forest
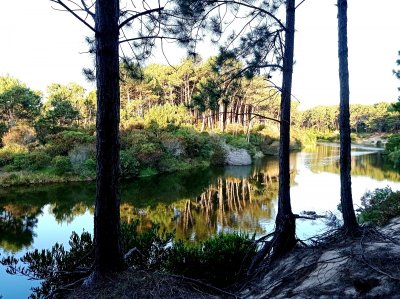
145 120
172 118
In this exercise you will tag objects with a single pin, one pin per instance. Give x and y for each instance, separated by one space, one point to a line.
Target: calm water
195 204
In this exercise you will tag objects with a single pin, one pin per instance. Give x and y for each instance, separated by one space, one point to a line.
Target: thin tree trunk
108 251
349 217
285 238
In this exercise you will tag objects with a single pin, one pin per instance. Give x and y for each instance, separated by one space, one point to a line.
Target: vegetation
220 260
379 206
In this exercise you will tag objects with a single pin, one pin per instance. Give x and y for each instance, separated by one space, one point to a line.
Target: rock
237 157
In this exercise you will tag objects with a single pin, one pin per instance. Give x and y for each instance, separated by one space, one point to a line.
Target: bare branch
60 2
143 13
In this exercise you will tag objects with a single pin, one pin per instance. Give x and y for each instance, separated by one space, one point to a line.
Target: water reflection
194 204
365 161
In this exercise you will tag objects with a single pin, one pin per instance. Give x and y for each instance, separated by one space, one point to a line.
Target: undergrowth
220 260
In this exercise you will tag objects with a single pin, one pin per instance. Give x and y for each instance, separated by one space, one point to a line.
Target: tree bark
107 239
285 238
349 217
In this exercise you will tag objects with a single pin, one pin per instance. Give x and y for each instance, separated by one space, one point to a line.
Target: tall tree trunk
349 217
285 223
108 251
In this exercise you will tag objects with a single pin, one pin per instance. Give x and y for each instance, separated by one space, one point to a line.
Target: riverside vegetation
170 121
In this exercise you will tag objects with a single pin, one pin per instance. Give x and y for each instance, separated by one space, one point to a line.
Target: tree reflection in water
194 204
17 224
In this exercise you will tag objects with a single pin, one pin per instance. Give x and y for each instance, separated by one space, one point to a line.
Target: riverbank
70 156
334 267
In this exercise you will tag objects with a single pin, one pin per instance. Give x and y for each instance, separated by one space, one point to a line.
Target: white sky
40 46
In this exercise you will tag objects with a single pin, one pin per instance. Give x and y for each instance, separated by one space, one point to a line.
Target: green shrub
169 163
30 161
220 260
61 165
63 142
218 153
88 168
8 152
196 145
379 206
128 163
393 144
240 141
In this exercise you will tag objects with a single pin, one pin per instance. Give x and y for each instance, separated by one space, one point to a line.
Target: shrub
196 145
393 144
169 163
61 165
149 154
128 163
240 141
21 134
63 142
218 153
30 161
88 168
220 260
379 206
8 152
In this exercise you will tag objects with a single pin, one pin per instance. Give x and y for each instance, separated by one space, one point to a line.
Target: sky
40 46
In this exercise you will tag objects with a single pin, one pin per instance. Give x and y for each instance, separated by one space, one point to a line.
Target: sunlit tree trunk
350 221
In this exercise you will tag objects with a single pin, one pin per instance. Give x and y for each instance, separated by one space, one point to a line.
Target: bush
63 142
220 260
169 163
30 161
21 134
61 165
196 145
88 168
129 164
393 144
8 152
219 153
380 206
240 141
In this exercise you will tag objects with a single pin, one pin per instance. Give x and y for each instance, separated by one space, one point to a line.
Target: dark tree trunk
285 238
349 217
108 251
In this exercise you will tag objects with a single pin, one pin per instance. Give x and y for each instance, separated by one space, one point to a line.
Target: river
196 204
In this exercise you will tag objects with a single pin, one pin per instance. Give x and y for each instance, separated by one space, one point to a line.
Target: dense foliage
380 206
172 118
